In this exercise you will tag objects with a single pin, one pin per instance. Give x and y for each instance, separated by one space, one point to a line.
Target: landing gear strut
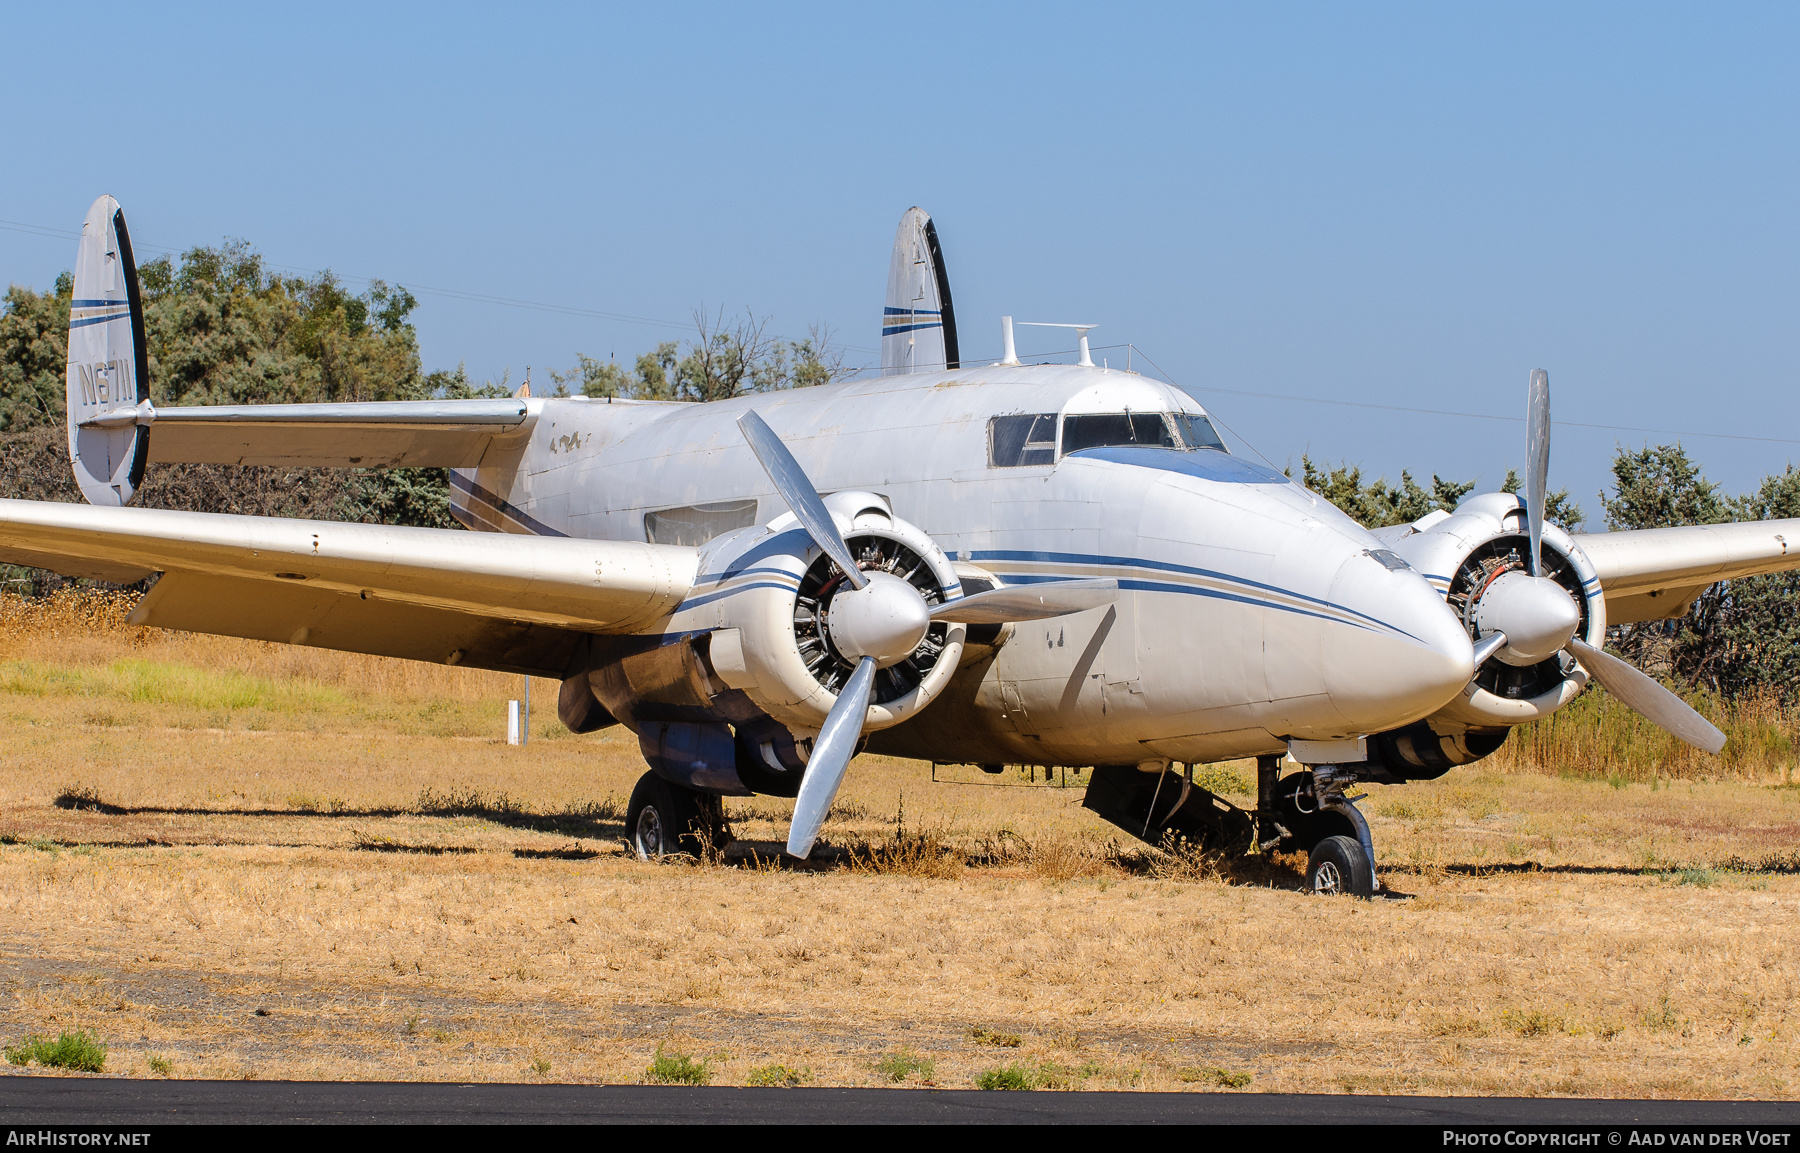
1308 810
1341 864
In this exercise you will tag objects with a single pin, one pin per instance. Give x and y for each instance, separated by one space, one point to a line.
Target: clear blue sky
1408 205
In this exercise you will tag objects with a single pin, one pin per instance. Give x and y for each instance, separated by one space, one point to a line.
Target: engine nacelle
765 594
1463 554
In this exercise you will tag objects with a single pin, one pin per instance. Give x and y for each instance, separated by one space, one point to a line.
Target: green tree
1560 508
1659 487
1374 504
1743 636
719 363
34 353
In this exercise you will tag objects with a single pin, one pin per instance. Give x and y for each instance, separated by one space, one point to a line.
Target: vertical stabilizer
918 324
109 364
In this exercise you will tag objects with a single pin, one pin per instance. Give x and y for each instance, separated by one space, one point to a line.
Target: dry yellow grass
263 846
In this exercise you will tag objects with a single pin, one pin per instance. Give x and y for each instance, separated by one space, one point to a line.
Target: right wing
1655 573
512 603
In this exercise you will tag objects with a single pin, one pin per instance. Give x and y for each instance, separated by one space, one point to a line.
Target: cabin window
1015 441
1181 431
696 524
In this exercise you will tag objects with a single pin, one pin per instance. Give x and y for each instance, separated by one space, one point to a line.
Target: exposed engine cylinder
1472 556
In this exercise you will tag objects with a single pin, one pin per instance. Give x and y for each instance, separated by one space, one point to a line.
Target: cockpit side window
1196 431
1024 439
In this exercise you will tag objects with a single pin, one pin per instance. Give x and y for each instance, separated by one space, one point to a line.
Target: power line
620 317
427 290
1460 415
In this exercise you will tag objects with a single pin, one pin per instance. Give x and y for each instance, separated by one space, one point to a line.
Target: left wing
1655 574
517 604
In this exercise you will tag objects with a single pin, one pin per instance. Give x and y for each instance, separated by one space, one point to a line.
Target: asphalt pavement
108 1102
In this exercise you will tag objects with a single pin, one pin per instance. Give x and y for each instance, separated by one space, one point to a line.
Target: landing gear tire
1339 867
664 820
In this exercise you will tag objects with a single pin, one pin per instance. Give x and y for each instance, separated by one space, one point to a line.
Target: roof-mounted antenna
1081 330
1012 354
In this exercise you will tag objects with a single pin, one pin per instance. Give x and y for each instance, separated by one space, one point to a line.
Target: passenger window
1015 441
696 524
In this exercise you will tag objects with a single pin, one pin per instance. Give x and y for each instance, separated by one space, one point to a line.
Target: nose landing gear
1309 811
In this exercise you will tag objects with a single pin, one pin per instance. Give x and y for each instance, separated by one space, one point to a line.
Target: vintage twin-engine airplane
1056 565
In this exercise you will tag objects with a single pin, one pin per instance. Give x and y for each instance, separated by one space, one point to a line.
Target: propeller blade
802 497
831 754
1028 602
1487 646
1647 698
1537 462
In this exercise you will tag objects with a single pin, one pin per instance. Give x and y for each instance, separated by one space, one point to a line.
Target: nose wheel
1337 866
1308 810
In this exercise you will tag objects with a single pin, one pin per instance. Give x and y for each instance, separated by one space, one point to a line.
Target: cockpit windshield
1181 431
1028 439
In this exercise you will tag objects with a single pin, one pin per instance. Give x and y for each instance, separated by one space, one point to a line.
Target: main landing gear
1308 810
665 820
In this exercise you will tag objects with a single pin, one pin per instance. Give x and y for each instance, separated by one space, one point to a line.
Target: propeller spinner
877 622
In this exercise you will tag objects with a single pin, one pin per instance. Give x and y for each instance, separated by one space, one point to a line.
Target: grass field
224 858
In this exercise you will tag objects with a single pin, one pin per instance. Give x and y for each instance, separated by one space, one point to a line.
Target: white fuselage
1251 610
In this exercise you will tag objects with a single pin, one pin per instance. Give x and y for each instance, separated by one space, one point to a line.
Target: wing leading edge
442 595
1655 574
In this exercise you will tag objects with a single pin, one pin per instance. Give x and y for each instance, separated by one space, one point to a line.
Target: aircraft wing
370 434
1655 574
517 604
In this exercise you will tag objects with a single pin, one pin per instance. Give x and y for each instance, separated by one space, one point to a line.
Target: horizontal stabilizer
371 434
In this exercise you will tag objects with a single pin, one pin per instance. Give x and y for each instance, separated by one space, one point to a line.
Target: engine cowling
1471 555
769 597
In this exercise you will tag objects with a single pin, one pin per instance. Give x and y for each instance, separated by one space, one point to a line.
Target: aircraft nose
1407 657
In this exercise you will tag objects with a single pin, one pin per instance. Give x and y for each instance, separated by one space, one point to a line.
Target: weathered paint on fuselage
1251 611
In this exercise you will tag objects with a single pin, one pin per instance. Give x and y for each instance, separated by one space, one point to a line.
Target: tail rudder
918 323
109 365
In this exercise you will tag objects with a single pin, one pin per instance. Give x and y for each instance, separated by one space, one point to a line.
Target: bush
986 1036
80 1050
778 1076
1212 1075
678 1069
897 1067
1008 1077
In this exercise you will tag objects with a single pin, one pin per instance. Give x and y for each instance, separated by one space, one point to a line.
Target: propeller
1027 602
1537 463
1648 699
878 621
1523 619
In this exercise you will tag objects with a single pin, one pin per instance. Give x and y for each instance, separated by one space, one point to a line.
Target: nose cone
1404 655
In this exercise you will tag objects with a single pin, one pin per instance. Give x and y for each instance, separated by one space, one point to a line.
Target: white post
512 722
1012 355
